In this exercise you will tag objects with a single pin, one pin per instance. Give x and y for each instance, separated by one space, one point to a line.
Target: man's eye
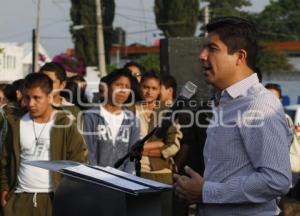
212 48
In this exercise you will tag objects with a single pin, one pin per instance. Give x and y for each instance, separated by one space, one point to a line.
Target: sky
18 18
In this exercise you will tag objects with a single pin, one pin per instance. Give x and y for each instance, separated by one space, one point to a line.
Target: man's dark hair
150 75
169 82
116 74
19 84
10 93
274 86
259 74
38 80
134 64
236 33
77 78
3 86
58 69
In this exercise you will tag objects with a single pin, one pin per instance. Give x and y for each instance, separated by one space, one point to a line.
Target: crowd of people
239 165
47 116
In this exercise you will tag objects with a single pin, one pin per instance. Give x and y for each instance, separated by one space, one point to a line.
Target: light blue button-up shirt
246 153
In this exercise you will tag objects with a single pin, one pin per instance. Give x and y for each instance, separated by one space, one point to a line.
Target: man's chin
207 80
33 114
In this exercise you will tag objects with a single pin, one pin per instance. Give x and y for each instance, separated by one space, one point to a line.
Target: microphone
187 91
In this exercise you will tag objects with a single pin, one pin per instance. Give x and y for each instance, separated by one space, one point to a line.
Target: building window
4 61
8 61
14 62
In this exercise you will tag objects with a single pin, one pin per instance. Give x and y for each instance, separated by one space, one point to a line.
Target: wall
10 62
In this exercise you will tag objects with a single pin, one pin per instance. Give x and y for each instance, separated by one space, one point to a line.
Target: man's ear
63 84
242 56
171 91
50 97
19 94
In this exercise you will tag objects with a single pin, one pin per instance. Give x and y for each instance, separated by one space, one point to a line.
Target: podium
105 191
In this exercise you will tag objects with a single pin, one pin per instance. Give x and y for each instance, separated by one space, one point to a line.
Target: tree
85 40
227 8
150 62
177 18
270 60
280 20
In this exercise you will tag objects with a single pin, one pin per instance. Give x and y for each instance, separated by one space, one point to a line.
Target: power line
132 19
134 9
55 37
29 32
15 35
139 17
153 23
60 7
145 23
63 1
127 33
140 32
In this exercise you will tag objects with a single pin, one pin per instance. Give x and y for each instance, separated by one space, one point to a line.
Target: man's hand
3 198
189 188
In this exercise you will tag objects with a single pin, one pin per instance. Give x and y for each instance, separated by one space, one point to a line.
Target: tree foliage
227 8
280 20
269 28
85 40
270 60
150 62
177 18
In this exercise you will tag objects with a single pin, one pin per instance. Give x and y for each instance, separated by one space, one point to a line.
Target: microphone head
188 90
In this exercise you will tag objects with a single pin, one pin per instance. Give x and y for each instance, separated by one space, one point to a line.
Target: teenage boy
57 74
43 133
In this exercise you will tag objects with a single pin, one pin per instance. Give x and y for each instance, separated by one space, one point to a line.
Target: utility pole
100 40
206 18
33 51
37 39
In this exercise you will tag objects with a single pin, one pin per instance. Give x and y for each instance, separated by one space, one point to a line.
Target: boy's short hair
38 80
58 69
134 64
150 75
10 93
169 82
116 74
274 86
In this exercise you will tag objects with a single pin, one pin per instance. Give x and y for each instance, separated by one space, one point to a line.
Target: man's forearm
259 187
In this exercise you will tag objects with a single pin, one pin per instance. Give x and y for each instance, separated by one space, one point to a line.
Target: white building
16 60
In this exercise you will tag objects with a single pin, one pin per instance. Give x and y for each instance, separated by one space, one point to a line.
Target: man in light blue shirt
247 148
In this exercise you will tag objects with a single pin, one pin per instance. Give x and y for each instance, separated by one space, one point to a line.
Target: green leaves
270 60
85 40
280 20
177 18
150 62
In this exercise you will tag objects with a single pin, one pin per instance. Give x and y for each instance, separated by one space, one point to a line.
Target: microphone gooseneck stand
135 153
